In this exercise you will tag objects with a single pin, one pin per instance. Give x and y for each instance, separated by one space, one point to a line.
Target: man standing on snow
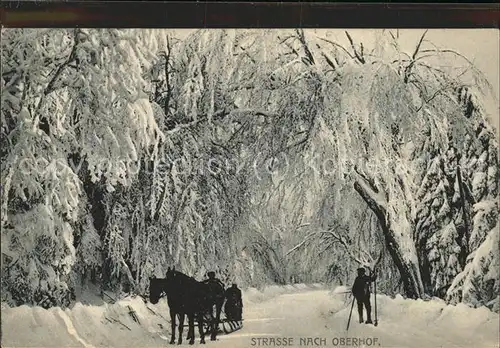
361 292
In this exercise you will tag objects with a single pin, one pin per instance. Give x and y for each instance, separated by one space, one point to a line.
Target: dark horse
188 297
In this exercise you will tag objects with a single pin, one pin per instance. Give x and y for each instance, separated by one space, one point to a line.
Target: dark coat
233 296
361 286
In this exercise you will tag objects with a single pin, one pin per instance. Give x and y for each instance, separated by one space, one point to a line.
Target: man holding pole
361 292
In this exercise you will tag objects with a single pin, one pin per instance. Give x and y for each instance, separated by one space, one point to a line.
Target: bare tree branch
419 44
409 68
338 45
359 56
302 39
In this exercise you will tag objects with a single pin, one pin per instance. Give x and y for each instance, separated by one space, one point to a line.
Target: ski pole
349 321
375 294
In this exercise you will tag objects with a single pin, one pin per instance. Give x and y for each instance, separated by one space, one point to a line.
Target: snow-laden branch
219 114
342 240
332 237
252 112
72 56
369 190
301 244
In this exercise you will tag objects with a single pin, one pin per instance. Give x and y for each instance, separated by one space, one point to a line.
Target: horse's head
158 286
154 290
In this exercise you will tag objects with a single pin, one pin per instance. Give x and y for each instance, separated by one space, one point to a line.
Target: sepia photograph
238 188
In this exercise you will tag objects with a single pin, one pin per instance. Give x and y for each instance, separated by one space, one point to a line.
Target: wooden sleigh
226 325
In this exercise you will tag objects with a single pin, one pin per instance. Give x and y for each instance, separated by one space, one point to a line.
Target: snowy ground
291 313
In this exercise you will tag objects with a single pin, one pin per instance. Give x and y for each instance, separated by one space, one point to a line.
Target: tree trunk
408 269
463 231
425 266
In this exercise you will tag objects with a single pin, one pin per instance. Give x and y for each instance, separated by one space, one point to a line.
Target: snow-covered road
315 318
302 317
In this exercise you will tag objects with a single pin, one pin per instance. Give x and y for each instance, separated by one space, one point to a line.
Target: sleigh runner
226 324
231 326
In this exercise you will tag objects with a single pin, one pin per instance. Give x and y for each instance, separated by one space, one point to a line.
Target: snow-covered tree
69 98
127 151
478 284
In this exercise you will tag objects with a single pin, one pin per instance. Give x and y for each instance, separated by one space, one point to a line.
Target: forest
268 156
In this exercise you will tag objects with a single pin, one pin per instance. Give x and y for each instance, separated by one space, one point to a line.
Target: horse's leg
211 324
190 332
215 327
200 328
219 310
181 327
191 328
173 315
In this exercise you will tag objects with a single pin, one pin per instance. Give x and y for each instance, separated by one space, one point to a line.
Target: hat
211 274
361 270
